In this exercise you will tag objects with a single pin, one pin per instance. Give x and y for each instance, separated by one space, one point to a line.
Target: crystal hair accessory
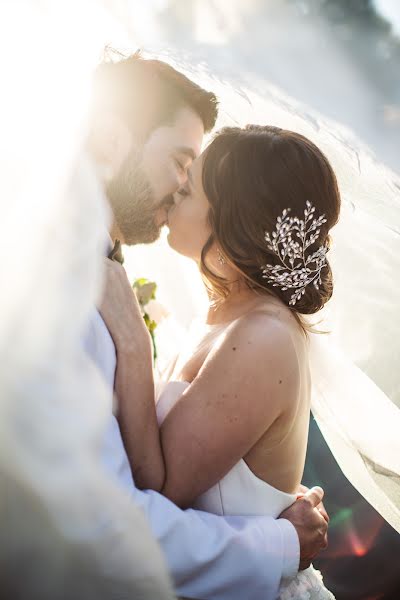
297 270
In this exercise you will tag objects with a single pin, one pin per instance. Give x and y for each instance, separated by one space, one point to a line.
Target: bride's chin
170 240
172 244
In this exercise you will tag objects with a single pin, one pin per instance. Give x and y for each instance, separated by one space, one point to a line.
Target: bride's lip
165 220
161 217
163 223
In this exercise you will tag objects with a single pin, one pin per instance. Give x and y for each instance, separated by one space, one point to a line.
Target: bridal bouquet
153 312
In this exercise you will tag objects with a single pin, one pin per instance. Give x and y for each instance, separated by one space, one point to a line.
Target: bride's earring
221 257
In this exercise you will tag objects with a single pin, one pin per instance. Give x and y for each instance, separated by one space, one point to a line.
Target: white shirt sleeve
221 558
209 556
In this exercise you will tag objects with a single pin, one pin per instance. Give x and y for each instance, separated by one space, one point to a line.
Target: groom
147 126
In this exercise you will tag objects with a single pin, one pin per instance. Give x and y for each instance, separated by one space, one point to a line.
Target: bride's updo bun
250 176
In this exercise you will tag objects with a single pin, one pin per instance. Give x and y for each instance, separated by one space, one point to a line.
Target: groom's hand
310 524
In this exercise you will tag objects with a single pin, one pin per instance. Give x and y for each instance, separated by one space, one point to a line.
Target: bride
229 431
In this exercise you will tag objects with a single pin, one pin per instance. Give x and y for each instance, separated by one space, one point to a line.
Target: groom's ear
110 143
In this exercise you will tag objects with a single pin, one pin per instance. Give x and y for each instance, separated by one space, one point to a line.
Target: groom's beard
133 204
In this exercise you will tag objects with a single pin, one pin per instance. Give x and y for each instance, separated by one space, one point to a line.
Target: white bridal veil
356 383
52 216
66 530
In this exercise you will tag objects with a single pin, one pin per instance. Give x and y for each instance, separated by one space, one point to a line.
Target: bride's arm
241 390
243 387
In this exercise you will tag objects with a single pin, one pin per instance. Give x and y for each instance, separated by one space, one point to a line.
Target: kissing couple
215 461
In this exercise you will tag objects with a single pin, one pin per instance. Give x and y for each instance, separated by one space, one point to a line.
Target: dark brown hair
148 93
250 176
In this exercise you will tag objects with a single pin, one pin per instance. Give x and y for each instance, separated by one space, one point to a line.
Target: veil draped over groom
51 198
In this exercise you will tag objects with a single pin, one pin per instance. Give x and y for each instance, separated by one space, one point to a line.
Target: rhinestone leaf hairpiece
289 242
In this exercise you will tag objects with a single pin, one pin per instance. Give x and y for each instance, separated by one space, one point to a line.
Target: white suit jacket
209 556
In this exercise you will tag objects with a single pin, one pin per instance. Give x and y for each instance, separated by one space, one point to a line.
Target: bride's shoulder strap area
267 331
261 347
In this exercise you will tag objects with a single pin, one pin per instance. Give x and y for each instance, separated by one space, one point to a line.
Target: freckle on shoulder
264 332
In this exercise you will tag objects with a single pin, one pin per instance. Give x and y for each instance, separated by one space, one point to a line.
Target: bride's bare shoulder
268 325
263 335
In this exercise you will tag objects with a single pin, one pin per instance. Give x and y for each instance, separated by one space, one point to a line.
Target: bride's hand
121 311
302 491
310 524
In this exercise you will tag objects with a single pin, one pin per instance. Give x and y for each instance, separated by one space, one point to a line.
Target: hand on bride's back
121 311
310 524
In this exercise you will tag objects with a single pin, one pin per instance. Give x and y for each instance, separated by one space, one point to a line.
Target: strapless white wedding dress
241 492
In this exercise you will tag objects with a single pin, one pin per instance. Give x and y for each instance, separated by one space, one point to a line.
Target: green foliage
145 291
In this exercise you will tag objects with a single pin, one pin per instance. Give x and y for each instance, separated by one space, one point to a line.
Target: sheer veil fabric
67 530
356 391
354 363
52 235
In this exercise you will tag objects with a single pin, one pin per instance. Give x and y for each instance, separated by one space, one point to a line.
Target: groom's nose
178 178
181 179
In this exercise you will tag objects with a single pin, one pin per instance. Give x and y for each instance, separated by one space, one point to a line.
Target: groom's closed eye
183 157
186 153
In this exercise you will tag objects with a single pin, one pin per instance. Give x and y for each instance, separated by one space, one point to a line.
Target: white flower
156 311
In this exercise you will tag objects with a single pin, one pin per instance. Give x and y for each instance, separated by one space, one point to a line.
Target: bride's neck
240 300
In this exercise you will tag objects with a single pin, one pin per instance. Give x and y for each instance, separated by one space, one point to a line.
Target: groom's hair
147 93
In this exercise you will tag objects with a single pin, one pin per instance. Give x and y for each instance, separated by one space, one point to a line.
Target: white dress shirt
209 556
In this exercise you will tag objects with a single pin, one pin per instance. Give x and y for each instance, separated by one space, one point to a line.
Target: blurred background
340 57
